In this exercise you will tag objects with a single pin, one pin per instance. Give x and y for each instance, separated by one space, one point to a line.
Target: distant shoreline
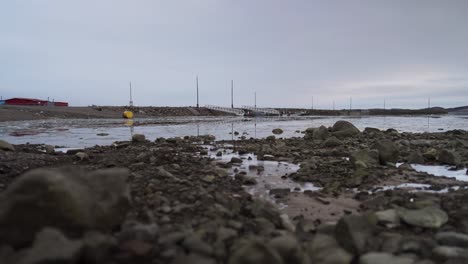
20 113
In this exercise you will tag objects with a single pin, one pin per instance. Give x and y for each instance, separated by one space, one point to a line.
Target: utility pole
232 93
255 100
198 106
131 99
384 104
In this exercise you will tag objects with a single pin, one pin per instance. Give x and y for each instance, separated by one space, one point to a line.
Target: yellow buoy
128 114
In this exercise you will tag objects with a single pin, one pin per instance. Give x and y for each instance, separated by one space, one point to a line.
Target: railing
270 111
235 111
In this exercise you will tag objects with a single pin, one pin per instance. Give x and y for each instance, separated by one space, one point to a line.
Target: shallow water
80 133
267 179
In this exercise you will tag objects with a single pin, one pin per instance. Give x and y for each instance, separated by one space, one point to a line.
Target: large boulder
428 217
6 146
320 133
343 129
73 201
449 157
388 152
354 233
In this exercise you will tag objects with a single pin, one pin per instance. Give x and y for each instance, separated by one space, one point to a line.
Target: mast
197 94
131 99
255 100
232 93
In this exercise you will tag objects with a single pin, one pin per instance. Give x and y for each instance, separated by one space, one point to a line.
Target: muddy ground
18 113
173 202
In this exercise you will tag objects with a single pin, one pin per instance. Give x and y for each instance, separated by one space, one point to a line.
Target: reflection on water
268 174
83 132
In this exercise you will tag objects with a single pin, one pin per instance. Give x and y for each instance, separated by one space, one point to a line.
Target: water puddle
441 171
415 187
269 175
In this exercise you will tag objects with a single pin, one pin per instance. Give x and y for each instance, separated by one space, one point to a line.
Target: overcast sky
86 52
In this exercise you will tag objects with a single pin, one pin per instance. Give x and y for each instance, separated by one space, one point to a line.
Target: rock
332 142
280 192
428 217
209 178
270 138
136 248
324 249
75 201
388 218
193 258
342 129
449 157
97 247
430 154
203 152
236 160
138 138
416 158
391 242
384 258
49 149
320 133
452 239
354 233
342 125
225 233
277 131
254 251
357 178
286 223
51 246
289 249
193 243
364 158
82 156
219 154
137 231
369 130
406 166
444 253
102 134
6 146
388 152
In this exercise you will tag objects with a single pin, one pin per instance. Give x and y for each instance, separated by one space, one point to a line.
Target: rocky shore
18 113
171 201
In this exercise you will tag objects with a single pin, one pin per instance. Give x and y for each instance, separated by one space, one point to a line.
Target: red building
60 104
28 101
